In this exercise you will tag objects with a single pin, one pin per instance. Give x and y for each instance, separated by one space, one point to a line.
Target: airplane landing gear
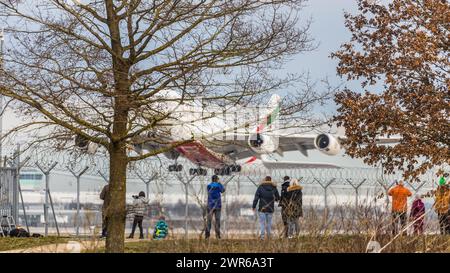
175 168
223 171
236 168
227 170
198 171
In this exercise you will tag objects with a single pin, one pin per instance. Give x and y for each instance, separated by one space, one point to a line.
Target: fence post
15 199
256 214
386 190
147 182
46 172
186 207
225 218
186 210
356 188
418 188
238 187
19 166
53 212
325 192
77 218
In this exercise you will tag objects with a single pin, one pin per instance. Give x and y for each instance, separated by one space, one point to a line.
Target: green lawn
10 243
315 244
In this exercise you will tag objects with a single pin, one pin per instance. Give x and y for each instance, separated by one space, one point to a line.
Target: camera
135 196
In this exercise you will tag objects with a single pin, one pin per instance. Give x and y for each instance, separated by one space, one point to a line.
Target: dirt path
69 247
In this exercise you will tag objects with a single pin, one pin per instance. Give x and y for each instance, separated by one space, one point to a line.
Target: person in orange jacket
400 196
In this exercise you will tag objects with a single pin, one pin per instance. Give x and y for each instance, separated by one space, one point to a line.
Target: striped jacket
139 206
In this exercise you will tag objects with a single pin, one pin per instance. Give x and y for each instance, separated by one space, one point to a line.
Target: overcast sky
329 31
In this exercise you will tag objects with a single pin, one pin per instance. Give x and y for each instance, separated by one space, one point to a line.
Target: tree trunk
117 150
117 176
117 207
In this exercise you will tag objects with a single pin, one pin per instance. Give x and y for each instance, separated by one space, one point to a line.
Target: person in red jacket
417 215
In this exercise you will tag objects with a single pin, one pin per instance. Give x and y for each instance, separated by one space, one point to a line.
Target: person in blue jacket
215 190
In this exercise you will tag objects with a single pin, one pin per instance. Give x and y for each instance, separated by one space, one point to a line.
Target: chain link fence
73 181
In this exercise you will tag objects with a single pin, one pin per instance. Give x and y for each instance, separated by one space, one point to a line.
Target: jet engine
327 144
263 144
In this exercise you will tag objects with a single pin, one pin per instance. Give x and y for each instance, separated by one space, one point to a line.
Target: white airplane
227 141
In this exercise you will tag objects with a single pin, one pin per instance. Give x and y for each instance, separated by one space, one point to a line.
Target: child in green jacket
161 229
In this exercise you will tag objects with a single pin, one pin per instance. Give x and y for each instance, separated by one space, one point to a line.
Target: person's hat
442 181
294 182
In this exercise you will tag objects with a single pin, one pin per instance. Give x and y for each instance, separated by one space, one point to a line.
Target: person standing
294 207
283 200
215 190
441 206
266 195
139 205
417 215
104 195
400 196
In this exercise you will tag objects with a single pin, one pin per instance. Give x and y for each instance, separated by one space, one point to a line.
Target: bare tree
100 70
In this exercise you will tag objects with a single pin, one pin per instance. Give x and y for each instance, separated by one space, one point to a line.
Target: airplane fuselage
199 154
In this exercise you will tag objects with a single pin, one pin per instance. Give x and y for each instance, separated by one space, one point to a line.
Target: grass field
304 244
10 243
345 230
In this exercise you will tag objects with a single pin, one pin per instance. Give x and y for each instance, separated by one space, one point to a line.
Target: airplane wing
266 138
254 166
303 143
298 165
238 148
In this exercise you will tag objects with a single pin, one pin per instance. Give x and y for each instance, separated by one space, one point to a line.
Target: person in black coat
266 195
104 195
282 204
294 207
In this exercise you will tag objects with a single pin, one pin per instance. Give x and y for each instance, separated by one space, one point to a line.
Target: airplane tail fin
273 113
